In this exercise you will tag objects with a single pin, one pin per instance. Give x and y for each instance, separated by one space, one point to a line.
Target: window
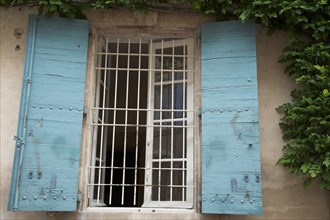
143 123
143 130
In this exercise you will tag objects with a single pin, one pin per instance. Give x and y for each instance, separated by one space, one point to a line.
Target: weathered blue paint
47 150
231 179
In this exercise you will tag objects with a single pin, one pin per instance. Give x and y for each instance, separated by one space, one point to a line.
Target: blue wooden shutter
47 150
231 181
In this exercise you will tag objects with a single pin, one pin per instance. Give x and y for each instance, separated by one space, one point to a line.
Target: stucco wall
283 195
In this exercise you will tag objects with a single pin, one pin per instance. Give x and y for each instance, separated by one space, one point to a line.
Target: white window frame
189 42
190 182
99 201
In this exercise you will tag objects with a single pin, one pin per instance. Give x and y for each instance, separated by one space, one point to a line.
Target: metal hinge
85 110
19 141
79 197
200 199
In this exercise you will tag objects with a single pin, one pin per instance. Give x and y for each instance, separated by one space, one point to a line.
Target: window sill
140 210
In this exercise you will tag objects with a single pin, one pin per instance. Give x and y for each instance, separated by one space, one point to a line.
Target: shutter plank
47 179
231 181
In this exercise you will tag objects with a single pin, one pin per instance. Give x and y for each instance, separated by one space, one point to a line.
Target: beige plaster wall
283 196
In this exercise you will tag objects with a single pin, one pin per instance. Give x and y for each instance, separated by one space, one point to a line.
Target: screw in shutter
30 174
257 178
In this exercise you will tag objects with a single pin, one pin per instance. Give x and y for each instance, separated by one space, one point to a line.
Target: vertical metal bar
114 122
26 110
150 128
125 127
184 121
172 117
137 123
102 121
160 120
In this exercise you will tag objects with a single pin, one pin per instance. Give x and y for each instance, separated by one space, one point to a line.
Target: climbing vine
306 120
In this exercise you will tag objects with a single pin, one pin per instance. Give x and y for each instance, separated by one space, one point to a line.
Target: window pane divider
114 120
137 127
125 131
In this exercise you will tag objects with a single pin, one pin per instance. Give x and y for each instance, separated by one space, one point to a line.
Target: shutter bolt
232 201
223 200
41 106
239 110
242 201
64 198
204 200
249 80
251 201
250 144
70 109
55 198
257 178
73 197
221 110
60 107
30 174
39 174
51 107
34 106
246 109
24 197
229 110
212 200
45 197
212 111
35 197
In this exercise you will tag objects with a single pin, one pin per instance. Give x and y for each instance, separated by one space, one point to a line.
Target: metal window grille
143 123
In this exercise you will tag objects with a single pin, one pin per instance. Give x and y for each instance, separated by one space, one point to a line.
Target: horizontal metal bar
149 185
146 54
145 70
138 168
142 109
146 126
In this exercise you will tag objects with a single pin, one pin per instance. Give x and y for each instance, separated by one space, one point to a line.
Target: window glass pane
177 181
158 51
168 51
166 143
155 182
178 50
178 100
178 75
157 102
178 63
156 143
178 143
157 76
167 63
158 62
167 101
165 181
167 76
